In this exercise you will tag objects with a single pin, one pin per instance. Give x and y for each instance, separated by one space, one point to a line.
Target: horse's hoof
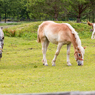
69 64
53 64
46 64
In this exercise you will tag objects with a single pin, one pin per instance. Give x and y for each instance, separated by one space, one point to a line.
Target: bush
10 33
29 30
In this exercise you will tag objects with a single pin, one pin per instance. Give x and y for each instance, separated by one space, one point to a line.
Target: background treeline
27 10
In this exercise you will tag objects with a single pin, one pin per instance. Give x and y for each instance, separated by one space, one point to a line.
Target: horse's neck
74 42
75 38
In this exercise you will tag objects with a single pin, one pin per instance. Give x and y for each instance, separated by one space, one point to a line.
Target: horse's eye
79 54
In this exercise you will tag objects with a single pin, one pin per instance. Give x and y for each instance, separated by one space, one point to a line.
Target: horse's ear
90 24
84 47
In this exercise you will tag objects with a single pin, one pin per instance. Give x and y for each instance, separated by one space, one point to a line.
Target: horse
93 29
1 41
60 34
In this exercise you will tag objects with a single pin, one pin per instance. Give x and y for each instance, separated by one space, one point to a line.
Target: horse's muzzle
80 63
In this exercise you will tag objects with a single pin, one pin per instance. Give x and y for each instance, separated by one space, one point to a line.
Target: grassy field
21 69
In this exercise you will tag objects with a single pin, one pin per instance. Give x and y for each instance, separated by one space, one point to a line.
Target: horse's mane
78 41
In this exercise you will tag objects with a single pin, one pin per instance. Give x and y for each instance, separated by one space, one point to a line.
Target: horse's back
54 32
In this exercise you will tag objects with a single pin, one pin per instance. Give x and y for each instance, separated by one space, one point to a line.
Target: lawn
21 69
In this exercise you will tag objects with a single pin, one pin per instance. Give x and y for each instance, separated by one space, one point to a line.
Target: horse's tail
38 38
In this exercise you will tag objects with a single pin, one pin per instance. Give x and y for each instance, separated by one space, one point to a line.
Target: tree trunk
0 17
93 17
56 17
55 12
78 20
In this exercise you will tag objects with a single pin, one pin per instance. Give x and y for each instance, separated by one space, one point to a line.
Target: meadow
22 70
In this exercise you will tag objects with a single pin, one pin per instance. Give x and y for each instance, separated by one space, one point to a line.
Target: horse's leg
56 54
68 53
44 49
92 35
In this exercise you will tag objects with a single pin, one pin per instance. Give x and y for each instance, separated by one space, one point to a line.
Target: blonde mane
78 41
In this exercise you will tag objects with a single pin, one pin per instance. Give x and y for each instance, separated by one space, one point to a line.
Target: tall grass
29 30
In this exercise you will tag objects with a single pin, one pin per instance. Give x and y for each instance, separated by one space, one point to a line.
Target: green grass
21 69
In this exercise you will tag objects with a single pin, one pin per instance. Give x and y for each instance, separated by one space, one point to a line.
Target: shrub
10 33
29 30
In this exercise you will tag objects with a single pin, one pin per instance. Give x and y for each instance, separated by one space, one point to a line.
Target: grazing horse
1 41
60 34
93 29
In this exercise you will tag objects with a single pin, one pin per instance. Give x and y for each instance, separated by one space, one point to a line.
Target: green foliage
35 10
29 30
10 33
50 10
25 30
13 8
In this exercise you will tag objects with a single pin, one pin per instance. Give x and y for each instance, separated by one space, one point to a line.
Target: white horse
60 34
93 29
1 41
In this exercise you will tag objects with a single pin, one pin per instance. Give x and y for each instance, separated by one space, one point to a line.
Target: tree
13 8
0 9
78 8
47 8
92 9
22 11
7 7
56 7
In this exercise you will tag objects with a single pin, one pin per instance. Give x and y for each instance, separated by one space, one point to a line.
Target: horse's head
1 41
79 55
93 29
91 24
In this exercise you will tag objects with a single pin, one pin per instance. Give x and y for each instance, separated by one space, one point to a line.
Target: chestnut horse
1 41
60 34
93 29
